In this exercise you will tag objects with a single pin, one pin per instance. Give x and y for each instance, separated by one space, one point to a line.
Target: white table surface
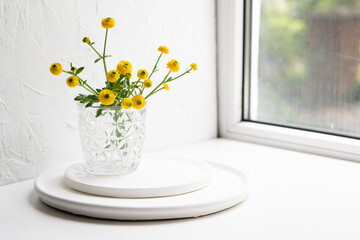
293 196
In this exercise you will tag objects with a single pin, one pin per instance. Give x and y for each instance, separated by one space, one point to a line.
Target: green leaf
98 59
89 104
98 112
79 70
86 99
98 90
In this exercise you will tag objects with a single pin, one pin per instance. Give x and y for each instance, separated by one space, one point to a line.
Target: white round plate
227 189
155 177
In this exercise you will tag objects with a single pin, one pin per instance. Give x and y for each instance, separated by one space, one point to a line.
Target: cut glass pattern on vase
112 143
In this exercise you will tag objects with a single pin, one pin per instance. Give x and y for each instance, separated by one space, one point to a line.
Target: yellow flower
106 97
173 65
124 67
138 101
193 66
56 68
128 75
72 81
126 103
73 69
166 86
142 74
108 22
163 49
147 83
85 39
113 76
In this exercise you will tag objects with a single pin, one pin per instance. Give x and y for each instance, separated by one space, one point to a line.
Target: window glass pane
305 64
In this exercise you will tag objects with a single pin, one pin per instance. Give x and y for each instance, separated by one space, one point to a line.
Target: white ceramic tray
228 188
155 177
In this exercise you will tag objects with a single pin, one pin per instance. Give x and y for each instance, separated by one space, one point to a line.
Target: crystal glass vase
112 138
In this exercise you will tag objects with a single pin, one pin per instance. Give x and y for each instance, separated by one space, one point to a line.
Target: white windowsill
292 196
294 139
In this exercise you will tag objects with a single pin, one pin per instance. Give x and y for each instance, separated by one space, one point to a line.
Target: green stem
86 89
103 57
133 88
94 49
172 79
155 92
83 82
142 89
118 98
152 92
155 65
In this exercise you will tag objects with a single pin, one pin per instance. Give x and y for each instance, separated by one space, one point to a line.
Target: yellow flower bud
163 49
173 65
138 101
147 83
128 75
56 68
85 40
142 74
72 81
108 22
166 87
124 67
193 66
126 103
106 97
113 76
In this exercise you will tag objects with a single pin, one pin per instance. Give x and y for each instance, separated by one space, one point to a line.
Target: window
289 74
305 67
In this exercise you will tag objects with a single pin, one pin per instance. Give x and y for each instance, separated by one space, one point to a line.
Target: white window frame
232 74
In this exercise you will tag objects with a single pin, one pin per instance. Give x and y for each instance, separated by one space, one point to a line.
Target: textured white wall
38 118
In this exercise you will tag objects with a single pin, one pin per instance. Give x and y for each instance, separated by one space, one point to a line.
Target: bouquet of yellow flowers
119 90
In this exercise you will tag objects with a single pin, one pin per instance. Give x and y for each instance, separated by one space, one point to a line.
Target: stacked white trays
161 188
